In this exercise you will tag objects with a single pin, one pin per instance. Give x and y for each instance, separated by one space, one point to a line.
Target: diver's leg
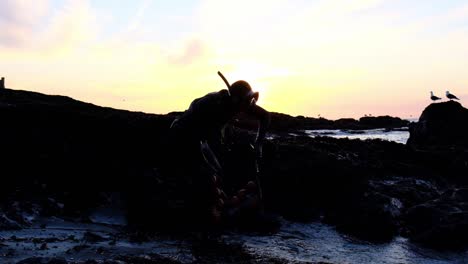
213 173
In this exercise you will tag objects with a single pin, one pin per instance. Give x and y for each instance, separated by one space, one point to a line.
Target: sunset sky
306 57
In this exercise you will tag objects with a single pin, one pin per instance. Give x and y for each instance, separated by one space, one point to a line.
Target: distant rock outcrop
2 83
284 123
440 124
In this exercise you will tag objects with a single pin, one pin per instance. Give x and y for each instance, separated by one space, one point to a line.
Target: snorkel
225 81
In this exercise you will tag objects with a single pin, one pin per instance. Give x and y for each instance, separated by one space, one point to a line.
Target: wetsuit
205 120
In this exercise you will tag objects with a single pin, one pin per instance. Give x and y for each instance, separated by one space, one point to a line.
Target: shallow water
399 136
294 243
317 242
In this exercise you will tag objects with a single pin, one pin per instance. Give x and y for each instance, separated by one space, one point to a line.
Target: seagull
434 98
450 96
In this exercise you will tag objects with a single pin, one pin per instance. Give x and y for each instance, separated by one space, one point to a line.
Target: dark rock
440 223
440 124
39 260
382 122
350 182
410 191
44 246
100 250
92 261
92 237
304 177
64 154
8 224
283 123
371 216
149 259
346 123
77 248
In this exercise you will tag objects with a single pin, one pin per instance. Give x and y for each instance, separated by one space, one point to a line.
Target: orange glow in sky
330 58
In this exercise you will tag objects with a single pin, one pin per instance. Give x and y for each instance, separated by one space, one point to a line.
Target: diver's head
242 95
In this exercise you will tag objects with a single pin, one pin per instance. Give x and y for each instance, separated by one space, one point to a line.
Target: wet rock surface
69 242
442 222
364 188
64 158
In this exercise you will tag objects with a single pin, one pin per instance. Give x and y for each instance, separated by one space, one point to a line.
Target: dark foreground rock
363 188
442 222
441 124
62 157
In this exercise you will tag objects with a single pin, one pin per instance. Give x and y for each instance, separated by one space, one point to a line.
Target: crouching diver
203 122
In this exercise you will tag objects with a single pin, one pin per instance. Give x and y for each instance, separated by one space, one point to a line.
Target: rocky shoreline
286 123
61 158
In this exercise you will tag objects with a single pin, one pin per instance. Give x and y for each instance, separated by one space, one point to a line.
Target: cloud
138 17
193 50
19 19
72 25
35 28
279 30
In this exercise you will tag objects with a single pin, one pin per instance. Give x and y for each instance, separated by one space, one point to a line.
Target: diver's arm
210 158
264 119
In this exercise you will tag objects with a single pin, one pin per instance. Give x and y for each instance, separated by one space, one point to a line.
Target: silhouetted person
434 98
204 121
2 83
451 96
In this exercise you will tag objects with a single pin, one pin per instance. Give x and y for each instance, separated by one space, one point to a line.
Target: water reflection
399 136
318 242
